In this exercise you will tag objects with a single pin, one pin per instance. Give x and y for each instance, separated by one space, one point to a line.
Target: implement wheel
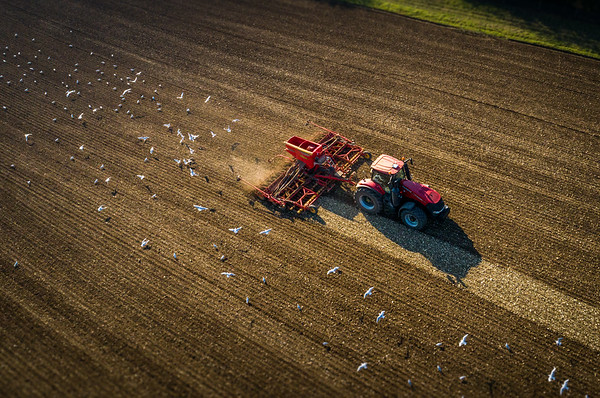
414 218
367 155
368 200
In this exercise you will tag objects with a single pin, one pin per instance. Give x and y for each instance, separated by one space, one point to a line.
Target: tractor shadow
444 244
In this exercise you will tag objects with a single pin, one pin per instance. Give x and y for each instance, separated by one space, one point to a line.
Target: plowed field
508 133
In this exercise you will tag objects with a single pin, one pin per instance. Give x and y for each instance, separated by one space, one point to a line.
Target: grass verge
558 28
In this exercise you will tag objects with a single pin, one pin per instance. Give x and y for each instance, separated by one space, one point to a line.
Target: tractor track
89 312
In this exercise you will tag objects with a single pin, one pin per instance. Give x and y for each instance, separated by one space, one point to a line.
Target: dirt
507 133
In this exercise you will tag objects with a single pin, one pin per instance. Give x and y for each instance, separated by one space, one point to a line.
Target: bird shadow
443 243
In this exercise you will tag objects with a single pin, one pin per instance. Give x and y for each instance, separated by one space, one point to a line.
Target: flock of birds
73 93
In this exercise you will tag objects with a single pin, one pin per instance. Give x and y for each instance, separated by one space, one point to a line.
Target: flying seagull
235 230
380 316
200 208
145 242
207 99
368 292
181 96
362 366
143 138
564 387
265 232
559 341
333 270
27 137
228 274
213 134
551 376
141 177
463 341
101 208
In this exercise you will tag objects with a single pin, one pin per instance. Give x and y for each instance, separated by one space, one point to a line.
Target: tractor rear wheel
414 218
368 200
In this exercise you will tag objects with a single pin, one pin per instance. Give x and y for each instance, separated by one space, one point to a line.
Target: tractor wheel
367 155
414 218
368 200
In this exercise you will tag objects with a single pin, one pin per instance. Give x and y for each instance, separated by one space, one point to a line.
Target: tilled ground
508 133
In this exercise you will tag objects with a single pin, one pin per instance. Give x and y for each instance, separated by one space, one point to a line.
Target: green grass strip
524 24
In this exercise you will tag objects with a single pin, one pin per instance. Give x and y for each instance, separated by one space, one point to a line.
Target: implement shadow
445 244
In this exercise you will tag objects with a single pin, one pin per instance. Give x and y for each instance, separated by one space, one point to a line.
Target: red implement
318 166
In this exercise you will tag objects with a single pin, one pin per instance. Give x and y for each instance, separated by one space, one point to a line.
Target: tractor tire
367 155
414 218
368 200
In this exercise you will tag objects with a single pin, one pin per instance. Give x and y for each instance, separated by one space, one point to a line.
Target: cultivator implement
317 168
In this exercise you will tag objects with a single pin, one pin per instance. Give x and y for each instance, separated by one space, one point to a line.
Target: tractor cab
387 171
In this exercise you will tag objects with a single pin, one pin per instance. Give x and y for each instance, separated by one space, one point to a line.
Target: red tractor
317 167
391 191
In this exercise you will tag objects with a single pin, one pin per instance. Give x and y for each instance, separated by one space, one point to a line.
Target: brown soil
507 133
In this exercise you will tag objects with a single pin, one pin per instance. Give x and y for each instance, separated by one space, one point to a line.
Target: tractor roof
387 164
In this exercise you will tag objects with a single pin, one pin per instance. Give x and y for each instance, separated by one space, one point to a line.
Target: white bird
207 99
101 208
200 208
102 167
235 120
228 129
16 264
264 280
462 378
81 148
145 242
141 177
362 366
175 256
167 125
248 300
438 344
181 96
125 92
191 151
215 246
153 196
235 230
439 368
564 387
380 316
265 232
228 274
551 376
213 134
80 116
507 346
463 341
409 383
107 180
193 173
223 258
152 151
27 137
368 292
299 307
192 137
96 181
333 270
69 92
559 341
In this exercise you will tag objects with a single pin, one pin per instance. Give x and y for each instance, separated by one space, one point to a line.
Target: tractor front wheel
368 200
414 218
